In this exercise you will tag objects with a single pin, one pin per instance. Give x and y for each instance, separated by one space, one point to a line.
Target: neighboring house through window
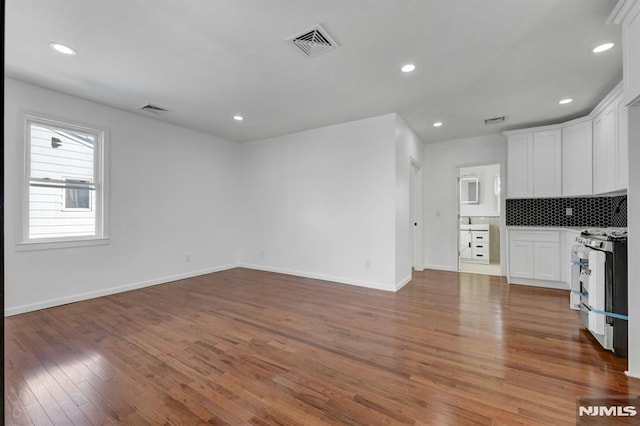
64 182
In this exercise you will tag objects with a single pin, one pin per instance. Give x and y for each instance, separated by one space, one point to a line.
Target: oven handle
611 314
608 314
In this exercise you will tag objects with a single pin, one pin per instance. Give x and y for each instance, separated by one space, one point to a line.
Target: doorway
480 198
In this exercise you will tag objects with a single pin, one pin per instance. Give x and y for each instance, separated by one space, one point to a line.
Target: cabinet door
465 245
599 155
519 171
547 164
622 160
546 261
611 146
577 159
521 259
631 55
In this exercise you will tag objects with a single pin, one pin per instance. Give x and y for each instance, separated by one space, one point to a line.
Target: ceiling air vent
494 120
313 41
153 108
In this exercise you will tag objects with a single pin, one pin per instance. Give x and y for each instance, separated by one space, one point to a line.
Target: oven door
593 300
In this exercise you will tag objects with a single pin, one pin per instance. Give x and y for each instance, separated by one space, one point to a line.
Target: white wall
488 205
440 163
173 192
321 203
633 217
408 147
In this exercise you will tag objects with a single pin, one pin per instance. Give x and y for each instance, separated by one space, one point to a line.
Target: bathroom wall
488 203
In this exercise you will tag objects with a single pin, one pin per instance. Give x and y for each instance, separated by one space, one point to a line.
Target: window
77 195
64 182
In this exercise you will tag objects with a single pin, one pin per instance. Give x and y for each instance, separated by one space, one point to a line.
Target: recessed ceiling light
408 68
62 48
602 47
437 124
238 117
565 101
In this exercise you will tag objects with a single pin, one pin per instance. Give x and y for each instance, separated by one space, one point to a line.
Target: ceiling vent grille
313 41
494 120
153 108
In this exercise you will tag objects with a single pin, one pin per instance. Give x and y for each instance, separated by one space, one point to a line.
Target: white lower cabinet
534 258
546 260
474 243
521 259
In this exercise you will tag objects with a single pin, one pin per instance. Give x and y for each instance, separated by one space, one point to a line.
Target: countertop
576 229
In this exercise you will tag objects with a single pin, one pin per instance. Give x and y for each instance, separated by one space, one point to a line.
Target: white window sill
61 244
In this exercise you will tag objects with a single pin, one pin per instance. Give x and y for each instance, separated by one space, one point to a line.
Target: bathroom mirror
469 190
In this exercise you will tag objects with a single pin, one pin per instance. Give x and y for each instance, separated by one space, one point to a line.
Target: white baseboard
540 283
112 290
635 375
441 268
404 282
368 284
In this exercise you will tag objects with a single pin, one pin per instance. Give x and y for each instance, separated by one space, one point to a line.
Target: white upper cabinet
577 156
627 14
631 55
622 169
519 170
586 156
547 163
534 164
610 147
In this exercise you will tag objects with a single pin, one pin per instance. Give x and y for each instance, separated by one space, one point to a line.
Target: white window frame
99 180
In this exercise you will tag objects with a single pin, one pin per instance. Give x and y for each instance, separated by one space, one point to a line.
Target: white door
415 189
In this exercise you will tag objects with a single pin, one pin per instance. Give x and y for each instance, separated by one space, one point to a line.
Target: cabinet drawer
548 236
480 251
479 236
481 255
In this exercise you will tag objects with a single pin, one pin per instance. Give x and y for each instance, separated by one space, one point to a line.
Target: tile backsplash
585 211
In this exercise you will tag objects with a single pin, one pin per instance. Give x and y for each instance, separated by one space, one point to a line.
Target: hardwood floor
249 347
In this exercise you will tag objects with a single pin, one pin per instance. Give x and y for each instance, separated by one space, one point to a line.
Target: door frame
502 227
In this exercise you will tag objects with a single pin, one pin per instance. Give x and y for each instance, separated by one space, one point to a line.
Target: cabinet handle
479 255
478 246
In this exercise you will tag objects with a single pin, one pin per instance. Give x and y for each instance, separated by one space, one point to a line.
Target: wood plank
250 347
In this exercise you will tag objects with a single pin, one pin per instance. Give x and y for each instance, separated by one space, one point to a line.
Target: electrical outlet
187 258
367 264
262 254
569 211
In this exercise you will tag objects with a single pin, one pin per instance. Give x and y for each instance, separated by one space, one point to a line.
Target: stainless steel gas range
599 285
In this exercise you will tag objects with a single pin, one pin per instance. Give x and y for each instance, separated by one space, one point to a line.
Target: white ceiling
207 60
